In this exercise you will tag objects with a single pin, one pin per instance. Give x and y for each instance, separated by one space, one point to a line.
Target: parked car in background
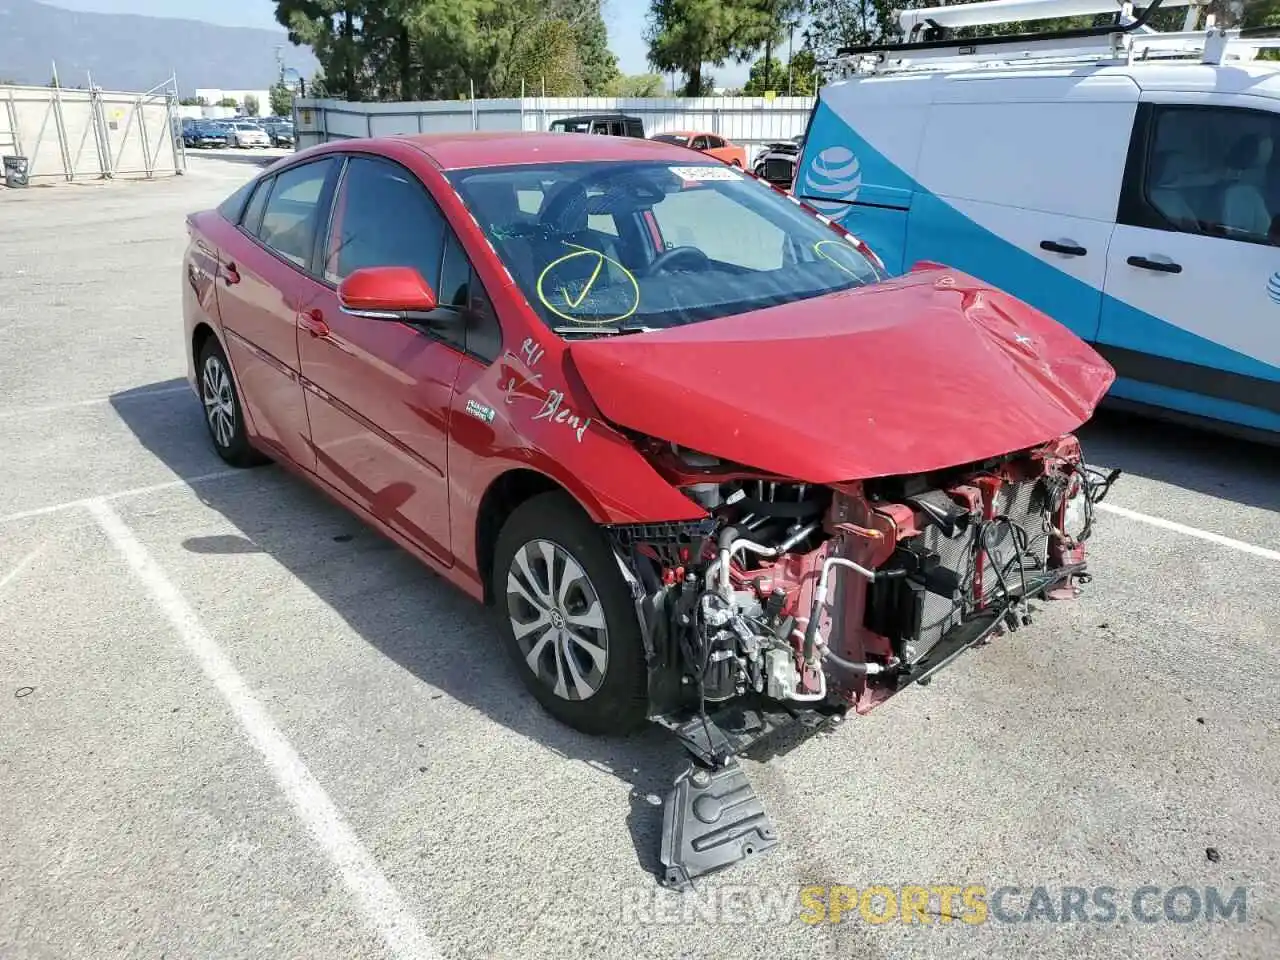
246 134
202 134
709 143
776 162
279 132
608 124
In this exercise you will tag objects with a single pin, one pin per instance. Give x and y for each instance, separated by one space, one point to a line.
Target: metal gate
78 134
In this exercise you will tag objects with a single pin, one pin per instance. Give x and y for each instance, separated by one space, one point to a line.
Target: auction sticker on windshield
703 174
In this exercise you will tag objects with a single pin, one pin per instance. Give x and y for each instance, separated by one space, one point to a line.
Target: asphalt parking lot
234 722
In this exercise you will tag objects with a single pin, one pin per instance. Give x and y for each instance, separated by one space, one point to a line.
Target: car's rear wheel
223 414
571 626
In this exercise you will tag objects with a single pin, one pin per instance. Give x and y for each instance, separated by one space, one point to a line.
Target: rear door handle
1068 247
312 321
1162 266
229 272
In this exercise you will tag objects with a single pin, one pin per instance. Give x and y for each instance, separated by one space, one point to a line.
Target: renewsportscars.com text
938 903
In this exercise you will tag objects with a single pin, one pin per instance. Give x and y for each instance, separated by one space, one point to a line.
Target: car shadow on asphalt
391 600
1242 471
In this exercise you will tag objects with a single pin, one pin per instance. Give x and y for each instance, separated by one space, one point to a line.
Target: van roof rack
930 43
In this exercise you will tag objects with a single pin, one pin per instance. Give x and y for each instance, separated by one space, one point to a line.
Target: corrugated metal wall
750 121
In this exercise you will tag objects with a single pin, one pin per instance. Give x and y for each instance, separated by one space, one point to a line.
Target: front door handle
312 321
1068 247
1161 266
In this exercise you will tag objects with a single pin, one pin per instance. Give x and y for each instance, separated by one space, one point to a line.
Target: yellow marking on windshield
818 248
586 288
574 302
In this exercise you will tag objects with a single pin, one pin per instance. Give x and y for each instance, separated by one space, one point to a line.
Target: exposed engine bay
795 603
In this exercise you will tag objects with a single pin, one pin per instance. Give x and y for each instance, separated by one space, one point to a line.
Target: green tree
777 16
803 78
765 75
639 85
843 23
547 60
329 28
251 105
431 49
599 67
228 102
685 34
281 100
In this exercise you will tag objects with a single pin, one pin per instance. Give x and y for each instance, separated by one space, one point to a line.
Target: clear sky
625 19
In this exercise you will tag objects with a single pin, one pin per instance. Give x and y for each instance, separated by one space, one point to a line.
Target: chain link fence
56 134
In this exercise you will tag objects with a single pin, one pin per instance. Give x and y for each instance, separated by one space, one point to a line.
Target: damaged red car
718 469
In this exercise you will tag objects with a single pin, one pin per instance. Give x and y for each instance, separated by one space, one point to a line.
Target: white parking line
1182 528
97 401
120 495
378 901
16 572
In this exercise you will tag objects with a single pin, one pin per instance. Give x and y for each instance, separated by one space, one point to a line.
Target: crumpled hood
928 370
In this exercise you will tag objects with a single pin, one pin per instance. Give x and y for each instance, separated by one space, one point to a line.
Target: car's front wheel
571 626
223 414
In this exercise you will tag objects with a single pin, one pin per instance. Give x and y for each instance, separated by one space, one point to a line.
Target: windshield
627 244
571 126
678 139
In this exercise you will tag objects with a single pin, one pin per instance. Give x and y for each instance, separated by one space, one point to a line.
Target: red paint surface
387 288
907 376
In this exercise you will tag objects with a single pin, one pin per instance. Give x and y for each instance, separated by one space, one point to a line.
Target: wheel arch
505 493
199 337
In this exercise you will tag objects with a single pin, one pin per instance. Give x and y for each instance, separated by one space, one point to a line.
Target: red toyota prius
709 459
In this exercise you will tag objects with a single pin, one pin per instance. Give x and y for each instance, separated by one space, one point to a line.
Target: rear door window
257 205
294 210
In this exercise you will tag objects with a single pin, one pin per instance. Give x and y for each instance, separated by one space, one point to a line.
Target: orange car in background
709 143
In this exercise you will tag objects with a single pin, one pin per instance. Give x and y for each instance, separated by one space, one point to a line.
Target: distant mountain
128 52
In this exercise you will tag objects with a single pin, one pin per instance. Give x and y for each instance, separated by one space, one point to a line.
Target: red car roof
454 151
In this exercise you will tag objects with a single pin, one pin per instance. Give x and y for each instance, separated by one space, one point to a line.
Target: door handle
229 272
312 321
1161 266
1068 247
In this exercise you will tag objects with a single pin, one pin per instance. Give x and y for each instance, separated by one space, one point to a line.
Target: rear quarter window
232 208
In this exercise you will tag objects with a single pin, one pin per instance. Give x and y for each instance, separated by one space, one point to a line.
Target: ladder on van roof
930 44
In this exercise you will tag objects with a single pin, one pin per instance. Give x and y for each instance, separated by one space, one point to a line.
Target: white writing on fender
553 410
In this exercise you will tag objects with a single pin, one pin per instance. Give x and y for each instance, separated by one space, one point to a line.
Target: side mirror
387 293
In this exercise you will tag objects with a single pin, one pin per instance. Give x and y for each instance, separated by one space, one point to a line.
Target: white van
1136 201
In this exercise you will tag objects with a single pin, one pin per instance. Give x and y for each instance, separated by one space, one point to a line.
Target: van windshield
647 244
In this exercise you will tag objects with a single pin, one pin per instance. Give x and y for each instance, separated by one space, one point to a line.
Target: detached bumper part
711 820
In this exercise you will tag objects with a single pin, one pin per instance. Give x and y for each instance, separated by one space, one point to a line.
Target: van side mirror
387 293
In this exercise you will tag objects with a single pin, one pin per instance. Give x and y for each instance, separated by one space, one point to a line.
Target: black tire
232 445
619 702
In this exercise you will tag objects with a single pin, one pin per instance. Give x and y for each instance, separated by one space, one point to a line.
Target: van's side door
1020 190
1191 319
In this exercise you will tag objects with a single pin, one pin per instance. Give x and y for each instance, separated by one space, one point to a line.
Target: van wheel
223 414
571 627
